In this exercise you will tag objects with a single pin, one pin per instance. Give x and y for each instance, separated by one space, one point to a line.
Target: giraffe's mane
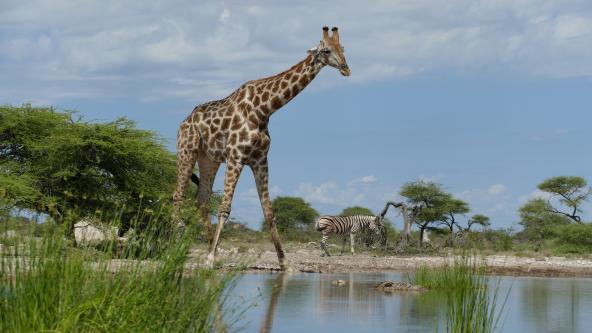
303 61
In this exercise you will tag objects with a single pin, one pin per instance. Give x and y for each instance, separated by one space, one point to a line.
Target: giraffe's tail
195 179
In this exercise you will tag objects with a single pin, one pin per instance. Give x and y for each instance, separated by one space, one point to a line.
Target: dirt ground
309 260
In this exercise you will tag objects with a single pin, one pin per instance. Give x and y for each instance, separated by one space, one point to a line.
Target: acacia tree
427 198
572 191
55 163
451 207
478 219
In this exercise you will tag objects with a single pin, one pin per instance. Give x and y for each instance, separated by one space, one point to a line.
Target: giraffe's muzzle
344 70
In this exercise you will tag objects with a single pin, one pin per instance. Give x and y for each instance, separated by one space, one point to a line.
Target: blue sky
488 98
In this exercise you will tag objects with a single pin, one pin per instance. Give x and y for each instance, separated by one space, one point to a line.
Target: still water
287 303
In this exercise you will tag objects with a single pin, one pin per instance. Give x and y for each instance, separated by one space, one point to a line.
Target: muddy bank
310 261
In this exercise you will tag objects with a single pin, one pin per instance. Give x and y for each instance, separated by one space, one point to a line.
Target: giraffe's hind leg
186 159
207 170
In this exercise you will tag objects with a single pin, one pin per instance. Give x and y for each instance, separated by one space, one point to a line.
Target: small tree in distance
428 197
572 192
292 213
451 207
478 219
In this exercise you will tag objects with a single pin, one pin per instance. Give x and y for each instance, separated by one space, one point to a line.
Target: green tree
451 207
539 222
55 163
292 213
572 191
428 199
478 219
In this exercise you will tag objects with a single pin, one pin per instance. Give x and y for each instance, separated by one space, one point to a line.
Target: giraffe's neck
290 83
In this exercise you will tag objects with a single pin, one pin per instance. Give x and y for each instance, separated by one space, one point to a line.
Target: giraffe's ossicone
234 131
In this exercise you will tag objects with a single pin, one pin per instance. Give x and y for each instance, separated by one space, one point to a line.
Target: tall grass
45 285
472 305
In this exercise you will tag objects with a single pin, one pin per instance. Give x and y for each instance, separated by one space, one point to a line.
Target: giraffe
234 130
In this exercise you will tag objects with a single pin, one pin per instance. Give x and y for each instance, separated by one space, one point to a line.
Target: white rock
89 233
9 234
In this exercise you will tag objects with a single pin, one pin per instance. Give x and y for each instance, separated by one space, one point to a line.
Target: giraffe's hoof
209 263
180 230
285 267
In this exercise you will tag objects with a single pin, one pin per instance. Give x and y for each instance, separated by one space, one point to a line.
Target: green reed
472 304
46 285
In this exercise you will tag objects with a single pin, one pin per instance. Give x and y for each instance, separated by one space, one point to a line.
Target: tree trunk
422 229
406 226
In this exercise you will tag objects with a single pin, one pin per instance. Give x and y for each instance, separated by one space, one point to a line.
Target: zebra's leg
343 245
324 246
352 238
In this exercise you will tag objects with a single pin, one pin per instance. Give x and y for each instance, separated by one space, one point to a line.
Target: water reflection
555 305
276 290
311 303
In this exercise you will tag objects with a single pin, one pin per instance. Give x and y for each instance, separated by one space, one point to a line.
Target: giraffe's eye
326 51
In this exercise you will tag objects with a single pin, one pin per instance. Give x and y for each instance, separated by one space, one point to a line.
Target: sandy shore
310 261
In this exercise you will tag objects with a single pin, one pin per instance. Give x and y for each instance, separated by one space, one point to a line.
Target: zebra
343 225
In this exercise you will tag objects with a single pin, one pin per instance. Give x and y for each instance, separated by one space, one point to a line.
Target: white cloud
332 197
536 194
325 193
227 43
496 189
550 134
430 178
225 15
491 200
365 179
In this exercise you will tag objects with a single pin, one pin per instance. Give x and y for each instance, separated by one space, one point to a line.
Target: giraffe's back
228 128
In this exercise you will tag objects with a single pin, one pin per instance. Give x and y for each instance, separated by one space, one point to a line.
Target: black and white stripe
343 225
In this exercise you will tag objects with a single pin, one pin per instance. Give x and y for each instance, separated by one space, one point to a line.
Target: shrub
575 238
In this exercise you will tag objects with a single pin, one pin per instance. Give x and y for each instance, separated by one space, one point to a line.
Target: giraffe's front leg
260 171
233 171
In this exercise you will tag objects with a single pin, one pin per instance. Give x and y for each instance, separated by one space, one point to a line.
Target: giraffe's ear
312 50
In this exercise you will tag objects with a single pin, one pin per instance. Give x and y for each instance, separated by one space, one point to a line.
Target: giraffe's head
330 52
